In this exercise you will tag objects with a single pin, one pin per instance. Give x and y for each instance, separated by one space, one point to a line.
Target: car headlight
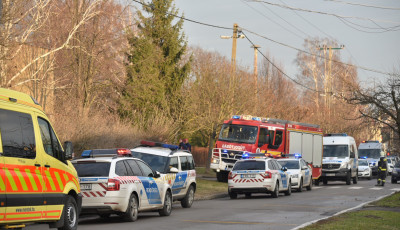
295 175
366 169
343 165
215 161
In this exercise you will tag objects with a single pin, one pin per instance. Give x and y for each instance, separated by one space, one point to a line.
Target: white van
340 159
372 151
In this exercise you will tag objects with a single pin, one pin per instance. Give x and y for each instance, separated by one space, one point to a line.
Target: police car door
179 186
22 172
150 186
305 172
136 173
283 175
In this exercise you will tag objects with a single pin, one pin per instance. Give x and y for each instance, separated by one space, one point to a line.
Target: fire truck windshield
238 133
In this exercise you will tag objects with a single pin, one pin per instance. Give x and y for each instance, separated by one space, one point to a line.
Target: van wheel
131 213
70 215
275 193
348 178
188 200
289 190
355 179
300 189
166 210
309 187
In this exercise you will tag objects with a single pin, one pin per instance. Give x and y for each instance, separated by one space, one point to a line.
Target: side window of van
50 141
17 134
352 152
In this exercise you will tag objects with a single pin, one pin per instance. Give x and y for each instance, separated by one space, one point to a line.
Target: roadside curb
341 212
211 197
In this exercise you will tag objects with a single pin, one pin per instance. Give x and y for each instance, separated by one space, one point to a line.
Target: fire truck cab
274 137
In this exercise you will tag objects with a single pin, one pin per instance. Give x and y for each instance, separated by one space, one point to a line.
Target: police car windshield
156 162
362 163
92 169
336 151
289 164
369 153
249 165
238 133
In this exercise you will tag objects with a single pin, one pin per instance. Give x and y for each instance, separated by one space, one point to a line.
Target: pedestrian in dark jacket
187 145
181 144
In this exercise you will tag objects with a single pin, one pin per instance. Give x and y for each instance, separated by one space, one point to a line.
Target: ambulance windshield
369 153
238 133
340 151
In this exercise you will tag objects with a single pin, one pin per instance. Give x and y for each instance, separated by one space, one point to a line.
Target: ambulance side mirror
68 150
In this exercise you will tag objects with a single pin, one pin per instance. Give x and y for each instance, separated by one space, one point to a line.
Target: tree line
109 74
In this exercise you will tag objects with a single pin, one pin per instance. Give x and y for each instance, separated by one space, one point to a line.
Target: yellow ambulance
37 181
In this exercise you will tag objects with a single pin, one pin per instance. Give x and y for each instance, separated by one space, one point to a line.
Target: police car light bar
105 153
156 144
247 155
295 155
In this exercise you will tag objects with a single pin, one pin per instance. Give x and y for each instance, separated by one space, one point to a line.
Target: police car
258 174
299 171
175 165
114 182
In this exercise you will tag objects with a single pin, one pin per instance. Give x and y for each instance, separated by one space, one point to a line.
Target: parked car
390 165
396 173
364 169
300 172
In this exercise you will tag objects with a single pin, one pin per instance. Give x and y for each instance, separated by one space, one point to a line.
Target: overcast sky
377 48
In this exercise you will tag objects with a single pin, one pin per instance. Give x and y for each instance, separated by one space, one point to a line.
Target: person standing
181 144
187 145
382 170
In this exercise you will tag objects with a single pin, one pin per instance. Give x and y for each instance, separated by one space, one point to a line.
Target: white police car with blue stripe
258 174
299 170
112 184
175 165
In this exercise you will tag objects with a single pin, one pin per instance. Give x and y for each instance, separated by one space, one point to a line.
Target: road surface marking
236 222
376 188
355 187
395 189
335 187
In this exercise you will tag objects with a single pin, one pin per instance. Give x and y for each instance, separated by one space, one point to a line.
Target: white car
390 165
175 165
364 169
258 175
113 182
299 171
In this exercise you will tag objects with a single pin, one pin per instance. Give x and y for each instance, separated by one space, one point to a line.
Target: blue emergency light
235 117
225 151
86 153
172 147
245 155
256 118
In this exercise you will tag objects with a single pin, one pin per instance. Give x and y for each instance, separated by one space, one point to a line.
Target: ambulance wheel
70 215
248 195
188 200
166 210
131 213
309 187
289 189
355 179
232 195
348 178
275 193
300 189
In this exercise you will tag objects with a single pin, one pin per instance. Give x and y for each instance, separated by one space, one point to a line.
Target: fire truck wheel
309 187
275 193
300 189
188 200
348 178
232 195
70 215
248 195
316 182
289 190
222 177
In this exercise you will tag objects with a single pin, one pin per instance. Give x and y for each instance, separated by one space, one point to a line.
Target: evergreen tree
156 71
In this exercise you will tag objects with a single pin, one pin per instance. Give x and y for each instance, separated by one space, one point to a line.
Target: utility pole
255 74
236 34
328 73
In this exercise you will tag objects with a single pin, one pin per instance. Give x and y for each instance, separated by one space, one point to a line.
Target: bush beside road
207 185
382 214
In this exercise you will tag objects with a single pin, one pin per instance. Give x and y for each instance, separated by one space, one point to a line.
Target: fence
200 155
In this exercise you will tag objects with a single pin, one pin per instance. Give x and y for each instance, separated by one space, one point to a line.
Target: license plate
330 174
248 176
86 186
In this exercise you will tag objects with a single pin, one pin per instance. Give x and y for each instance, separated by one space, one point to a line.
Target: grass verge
392 201
202 171
207 188
360 220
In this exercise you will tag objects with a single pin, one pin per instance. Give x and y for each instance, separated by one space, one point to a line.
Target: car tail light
113 185
230 176
267 174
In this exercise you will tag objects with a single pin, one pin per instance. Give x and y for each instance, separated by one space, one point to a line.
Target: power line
364 5
280 43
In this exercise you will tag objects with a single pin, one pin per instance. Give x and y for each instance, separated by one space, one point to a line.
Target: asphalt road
257 212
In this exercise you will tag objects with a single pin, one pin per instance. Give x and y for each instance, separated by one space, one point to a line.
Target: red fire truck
274 137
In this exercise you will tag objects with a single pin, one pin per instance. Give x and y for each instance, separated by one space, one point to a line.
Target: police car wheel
188 200
232 195
275 193
70 215
300 189
289 190
131 213
309 187
166 210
